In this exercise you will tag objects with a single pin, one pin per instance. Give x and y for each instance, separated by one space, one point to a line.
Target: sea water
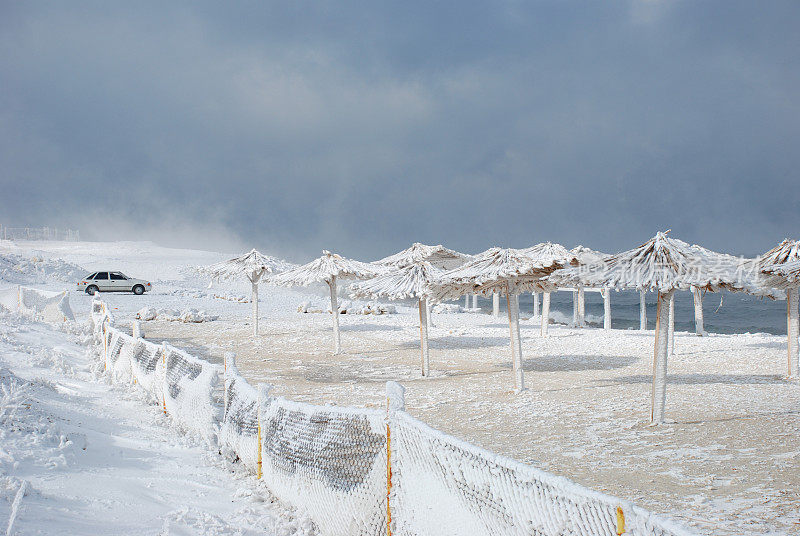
723 312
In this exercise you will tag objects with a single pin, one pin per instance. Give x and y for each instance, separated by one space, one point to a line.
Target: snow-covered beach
724 463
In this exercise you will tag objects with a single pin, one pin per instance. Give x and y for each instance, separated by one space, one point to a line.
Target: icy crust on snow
188 393
449 487
238 434
329 461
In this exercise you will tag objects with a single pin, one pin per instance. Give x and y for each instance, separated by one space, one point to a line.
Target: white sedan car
113 282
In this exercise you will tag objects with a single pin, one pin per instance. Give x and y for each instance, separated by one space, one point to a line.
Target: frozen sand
727 462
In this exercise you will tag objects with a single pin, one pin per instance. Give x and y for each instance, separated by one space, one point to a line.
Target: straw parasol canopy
586 255
410 281
252 266
505 271
662 264
548 253
783 276
589 256
438 256
328 268
780 268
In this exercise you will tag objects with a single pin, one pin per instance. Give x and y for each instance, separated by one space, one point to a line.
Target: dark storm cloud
362 127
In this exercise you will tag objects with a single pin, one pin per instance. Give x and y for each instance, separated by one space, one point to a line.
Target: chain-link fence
356 471
39 233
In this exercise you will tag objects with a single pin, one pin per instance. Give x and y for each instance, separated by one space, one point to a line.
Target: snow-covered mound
186 316
18 269
352 308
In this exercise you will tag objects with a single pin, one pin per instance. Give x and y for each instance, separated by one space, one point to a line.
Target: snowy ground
728 462
96 459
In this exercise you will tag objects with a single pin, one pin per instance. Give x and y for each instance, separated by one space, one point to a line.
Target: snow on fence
238 434
331 461
37 304
188 392
39 233
449 487
357 471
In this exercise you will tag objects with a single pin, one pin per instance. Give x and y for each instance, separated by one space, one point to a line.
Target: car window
117 276
90 276
101 275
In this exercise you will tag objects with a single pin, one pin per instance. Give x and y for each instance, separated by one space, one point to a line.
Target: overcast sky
363 127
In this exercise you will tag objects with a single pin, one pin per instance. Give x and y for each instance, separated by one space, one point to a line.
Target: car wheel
92 290
138 290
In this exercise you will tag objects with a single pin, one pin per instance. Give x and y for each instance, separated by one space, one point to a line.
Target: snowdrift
18 269
37 304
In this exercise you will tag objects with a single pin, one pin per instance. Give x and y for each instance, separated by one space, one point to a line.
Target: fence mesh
188 392
239 428
446 486
329 461
147 369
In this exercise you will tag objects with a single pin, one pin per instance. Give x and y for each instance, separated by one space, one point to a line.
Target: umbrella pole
474 301
581 307
671 339
642 311
466 301
337 342
699 328
792 331
535 303
423 336
512 302
574 308
545 312
659 396
428 318
606 308
254 300
496 305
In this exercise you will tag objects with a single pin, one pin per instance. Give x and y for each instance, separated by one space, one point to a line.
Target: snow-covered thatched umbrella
662 265
411 281
438 256
549 254
505 271
329 269
586 255
780 269
252 266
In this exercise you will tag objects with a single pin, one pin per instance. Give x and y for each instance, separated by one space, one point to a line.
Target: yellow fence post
163 386
395 401
258 470
263 395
